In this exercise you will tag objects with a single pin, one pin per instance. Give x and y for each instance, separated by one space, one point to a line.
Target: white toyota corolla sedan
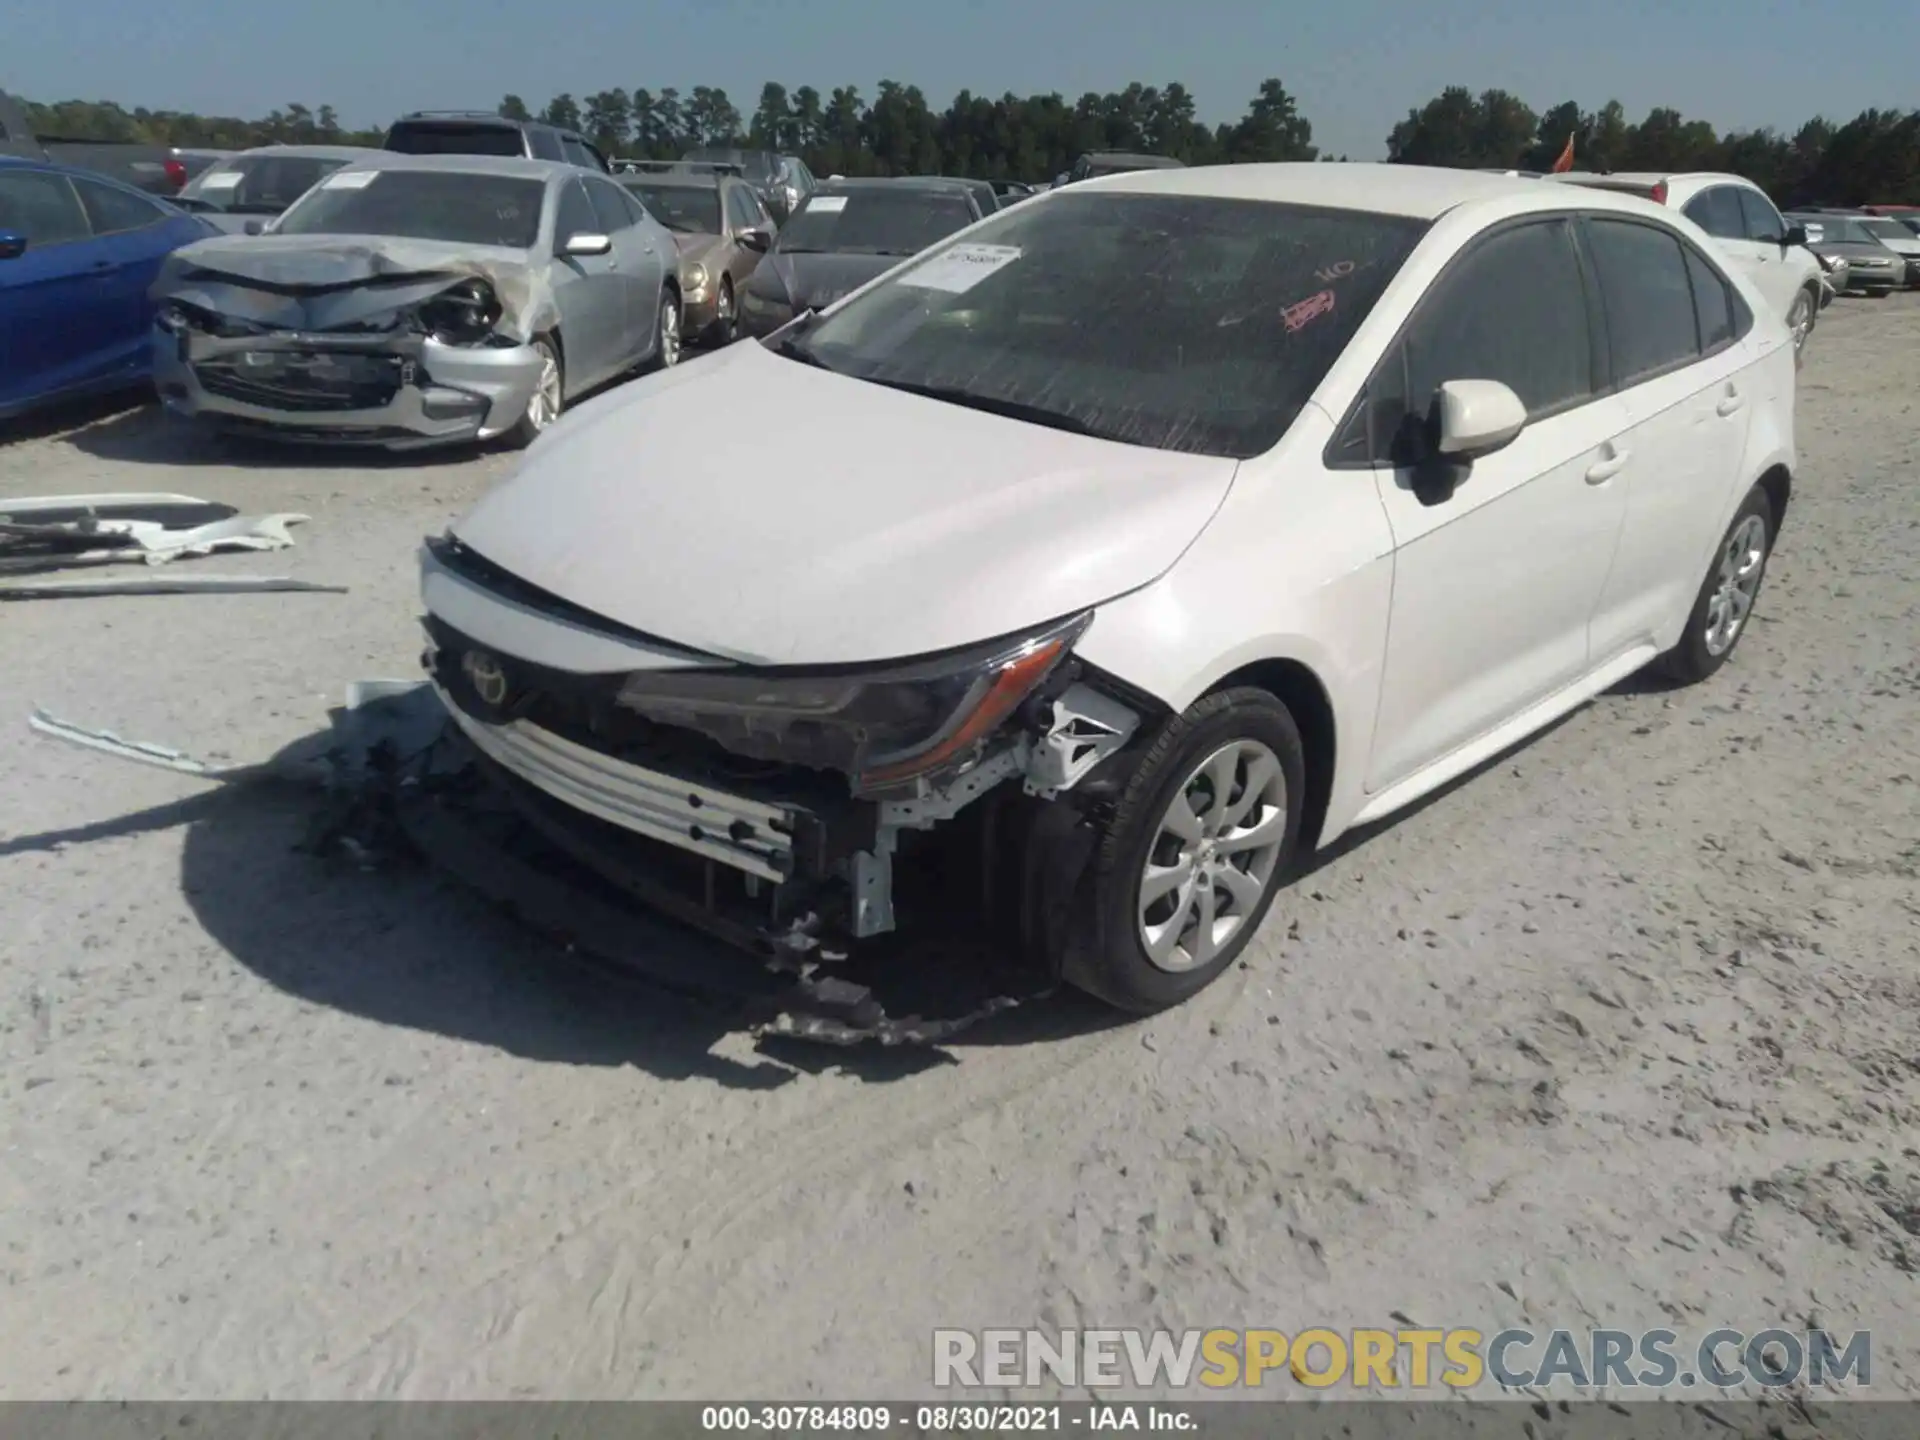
1140 539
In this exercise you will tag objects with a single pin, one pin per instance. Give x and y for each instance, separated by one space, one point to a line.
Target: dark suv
481 132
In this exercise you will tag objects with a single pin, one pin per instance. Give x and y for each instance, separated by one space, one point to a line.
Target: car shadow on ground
150 436
402 945
65 415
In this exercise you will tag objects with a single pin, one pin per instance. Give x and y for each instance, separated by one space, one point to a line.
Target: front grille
304 381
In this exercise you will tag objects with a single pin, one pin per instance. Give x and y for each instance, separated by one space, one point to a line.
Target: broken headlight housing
887 728
464 314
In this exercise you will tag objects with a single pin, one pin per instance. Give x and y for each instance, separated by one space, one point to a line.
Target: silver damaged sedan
415 300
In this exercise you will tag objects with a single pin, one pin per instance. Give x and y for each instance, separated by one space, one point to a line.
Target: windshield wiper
802 250
994 405
789 344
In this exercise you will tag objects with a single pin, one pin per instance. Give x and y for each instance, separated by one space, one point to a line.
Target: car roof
1128 157
1418 192
680 179
308 152
948 184
468 164
79 172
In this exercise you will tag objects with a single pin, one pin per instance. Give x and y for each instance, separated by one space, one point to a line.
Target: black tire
666 355
1694 659
726 320
1109 957
530 426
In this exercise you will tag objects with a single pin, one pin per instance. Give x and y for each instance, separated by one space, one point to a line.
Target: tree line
1874 157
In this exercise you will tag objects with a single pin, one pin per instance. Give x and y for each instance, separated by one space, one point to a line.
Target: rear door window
1712 302
544 145
1649 301
113 211
577 153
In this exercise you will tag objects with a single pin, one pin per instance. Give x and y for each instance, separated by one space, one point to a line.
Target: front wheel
548 398
726 321
666 334
1193 853
1726 599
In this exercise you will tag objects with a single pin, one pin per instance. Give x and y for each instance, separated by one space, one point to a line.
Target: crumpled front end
790 812
346 352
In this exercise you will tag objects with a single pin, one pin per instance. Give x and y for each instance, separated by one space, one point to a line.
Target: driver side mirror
12 245
1796 235
255 227
1472 418
587 243
757 239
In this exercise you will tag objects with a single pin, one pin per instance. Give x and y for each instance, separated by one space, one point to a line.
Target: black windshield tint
470 209
1176 322
259 184
877 221
688 209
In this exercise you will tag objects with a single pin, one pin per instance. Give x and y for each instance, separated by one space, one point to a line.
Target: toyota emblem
483 672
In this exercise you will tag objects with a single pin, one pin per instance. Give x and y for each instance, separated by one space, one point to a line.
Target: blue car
77 253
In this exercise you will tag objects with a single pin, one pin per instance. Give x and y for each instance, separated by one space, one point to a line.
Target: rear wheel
666 334
1193 853
1800 320
548 398
1727 596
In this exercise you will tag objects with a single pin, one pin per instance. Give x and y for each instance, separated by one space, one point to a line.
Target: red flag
1565 162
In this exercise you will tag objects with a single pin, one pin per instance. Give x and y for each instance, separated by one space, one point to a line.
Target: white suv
1747 228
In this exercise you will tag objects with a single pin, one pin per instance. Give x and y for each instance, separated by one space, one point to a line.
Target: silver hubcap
1740 563
1800 320
669 332
1213 856
544 408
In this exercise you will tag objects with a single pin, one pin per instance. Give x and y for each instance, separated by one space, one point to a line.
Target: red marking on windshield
1296 317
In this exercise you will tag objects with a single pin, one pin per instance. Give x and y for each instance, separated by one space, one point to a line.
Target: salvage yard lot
1620 1031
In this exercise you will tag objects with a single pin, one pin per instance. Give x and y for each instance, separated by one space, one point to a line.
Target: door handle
1729 402
1602 471
102 265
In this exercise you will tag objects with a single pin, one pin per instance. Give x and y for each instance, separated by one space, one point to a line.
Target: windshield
880 220
469 209
1177 322
1886 230
688 209
441 137
1841 229
257 184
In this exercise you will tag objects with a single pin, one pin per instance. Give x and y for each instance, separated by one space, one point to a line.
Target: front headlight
463 314
697 276
885 728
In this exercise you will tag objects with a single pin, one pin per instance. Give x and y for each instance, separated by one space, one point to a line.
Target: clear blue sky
1355 65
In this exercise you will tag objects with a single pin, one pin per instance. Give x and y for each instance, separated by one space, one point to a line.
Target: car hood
694 247
1853 250
813 282
846 523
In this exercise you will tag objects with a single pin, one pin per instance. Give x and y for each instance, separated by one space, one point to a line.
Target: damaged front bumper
395 390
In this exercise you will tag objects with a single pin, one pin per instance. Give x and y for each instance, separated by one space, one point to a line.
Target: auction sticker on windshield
225 180
962 267
827 204
350 179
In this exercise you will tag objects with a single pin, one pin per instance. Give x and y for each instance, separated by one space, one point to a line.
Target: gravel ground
1618 1031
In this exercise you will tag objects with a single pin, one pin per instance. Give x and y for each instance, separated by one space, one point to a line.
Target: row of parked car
536 270
576 271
